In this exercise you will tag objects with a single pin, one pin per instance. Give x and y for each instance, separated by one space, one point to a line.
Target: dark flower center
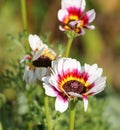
42 61
74 86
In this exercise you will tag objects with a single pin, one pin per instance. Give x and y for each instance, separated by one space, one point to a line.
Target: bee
46 57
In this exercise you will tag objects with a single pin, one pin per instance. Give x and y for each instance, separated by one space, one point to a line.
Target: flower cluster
64 78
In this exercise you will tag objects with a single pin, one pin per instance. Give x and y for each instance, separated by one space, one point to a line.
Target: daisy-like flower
73 17
38 61
70 81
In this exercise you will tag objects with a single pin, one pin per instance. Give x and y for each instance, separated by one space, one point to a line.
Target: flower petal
26 57
38 54
49 90
89 16
41 72
98 87
61 104
73 3
82 31
75 94
71 64
29 75
85 100
61 28
91 27
62 14
36 43
93 71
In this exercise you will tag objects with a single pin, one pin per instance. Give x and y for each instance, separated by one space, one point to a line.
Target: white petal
71 64
40 72
73 3
38 54
60 66
36 43
82 31
99 86
91 15
29 76
82 4
49 90
91 27
61 104
93 69
62 13
61 28
37 73
75 94
26 57
53 81
85 100
95 75
44 72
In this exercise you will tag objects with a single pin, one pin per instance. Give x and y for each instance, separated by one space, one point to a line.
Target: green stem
30 126
46 104
24 16
68 46
25 28
72 115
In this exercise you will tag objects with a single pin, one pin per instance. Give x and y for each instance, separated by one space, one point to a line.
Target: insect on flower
69 80
73 17
38 61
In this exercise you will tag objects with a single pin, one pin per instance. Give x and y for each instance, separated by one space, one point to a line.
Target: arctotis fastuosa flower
71 81
38 61
73 17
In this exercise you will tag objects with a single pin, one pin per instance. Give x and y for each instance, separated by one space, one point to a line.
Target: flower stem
46 104
24 16
30 126
70 39
25 27
72 115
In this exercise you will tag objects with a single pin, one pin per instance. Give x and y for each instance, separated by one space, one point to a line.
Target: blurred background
101 46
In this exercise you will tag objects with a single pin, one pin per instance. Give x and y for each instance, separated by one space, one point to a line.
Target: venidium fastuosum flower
38 61
71 81
73 17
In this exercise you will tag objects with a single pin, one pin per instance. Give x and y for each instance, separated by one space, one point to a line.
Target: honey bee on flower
73 18
38 61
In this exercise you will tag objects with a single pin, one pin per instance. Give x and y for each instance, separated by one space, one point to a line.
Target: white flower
69 80
38 61
73 17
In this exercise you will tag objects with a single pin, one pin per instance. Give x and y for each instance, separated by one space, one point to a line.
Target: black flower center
74 86
42 61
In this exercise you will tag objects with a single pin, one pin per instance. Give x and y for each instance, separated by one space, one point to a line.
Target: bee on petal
39 61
